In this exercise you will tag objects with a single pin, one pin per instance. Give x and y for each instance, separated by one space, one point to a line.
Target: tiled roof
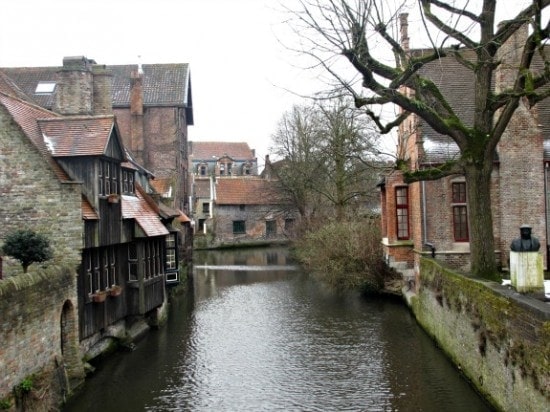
88 212
27 78
207 150
135 207
162 186
245 191
7 86
456 83
77 136
26 115
163 84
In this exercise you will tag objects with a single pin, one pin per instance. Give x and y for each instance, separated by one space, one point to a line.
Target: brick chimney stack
137 143
404 28
102 90
74 91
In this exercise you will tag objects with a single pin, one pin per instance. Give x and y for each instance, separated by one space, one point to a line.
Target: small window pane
45 88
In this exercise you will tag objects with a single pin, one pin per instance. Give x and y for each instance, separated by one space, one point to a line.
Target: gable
26 115
81 136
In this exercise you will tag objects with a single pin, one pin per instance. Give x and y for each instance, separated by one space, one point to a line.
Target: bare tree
463 30
327 156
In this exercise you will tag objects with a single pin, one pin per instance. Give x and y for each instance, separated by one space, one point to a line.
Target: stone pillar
526 272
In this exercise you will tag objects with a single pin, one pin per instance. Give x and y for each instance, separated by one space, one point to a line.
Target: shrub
27 247
346 255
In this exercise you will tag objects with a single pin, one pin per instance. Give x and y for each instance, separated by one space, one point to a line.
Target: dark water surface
268 338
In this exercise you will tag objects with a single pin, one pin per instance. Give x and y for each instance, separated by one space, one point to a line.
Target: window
171 243
112 268
225 168
270 227
202 170
132 262
402 212
128 181
108 178
45 88
97 272
89 277
246 169
239 227
206 208
241 207
460 212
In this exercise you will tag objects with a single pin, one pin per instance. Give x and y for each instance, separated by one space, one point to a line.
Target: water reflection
275 340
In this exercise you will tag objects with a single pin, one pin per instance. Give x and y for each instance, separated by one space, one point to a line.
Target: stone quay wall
497 337
39 337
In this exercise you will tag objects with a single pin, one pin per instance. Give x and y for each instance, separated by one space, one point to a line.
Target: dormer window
225 167
108 178
203 169
45 88
128 181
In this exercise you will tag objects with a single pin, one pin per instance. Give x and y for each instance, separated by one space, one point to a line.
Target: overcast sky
239 70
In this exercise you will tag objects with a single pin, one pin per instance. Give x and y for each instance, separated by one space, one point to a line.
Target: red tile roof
88 212
245 191
207 150
135 207
162 186
77 136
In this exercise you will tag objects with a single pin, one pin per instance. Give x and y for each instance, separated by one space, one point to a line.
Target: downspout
424 224
546 213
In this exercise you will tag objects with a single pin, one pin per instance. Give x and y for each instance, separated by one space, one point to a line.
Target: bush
27 247
346 255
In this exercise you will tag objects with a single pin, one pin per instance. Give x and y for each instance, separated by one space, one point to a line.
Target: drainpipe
546 213
424 224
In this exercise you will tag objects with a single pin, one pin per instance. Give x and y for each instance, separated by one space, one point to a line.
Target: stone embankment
498 338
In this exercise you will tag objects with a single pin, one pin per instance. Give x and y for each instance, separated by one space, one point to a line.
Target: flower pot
115 291
99 297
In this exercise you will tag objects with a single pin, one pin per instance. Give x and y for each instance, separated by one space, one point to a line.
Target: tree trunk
482 241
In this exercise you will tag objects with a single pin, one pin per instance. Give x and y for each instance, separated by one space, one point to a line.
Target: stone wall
32 197
39 334
498 338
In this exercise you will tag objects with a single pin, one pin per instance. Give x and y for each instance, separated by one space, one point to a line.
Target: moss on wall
500 339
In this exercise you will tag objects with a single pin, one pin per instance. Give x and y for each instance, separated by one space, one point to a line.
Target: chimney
102 90
509 55
404 27
74 91
137 144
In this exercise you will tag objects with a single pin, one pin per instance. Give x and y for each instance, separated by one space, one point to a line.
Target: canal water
255 333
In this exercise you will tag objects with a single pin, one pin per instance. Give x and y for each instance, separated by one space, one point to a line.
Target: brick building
66 173
209 161
431 217
153 105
